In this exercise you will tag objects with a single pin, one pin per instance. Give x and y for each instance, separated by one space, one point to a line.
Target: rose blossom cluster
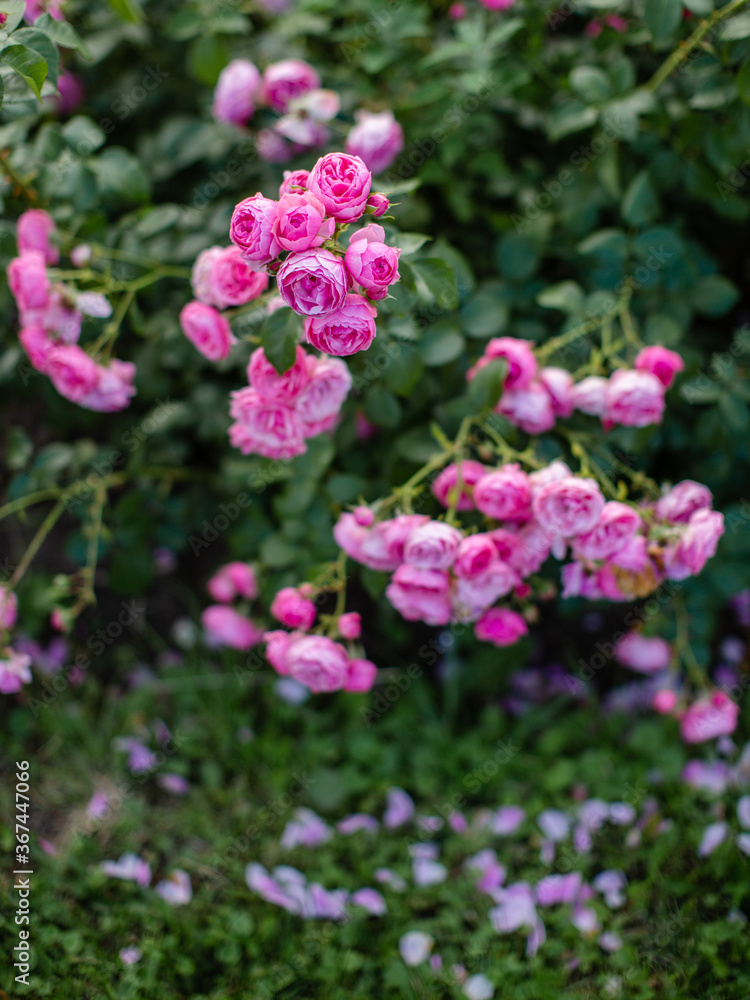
221 278
442 573
295 239
51 315
291 89
223 625
275 413
14 666
533 397
316 661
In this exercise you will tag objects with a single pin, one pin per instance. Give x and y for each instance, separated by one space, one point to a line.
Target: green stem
28 192
587 327
28 500
44 529
92 551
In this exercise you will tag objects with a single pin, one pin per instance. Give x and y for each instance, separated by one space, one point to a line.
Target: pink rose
207 330
322 398
475 593
317 662
522 365
660 362
420 594
504 495
647 655
681 502
432 546
529 408
569 507
350 625
344 331
224 626
8 608
382 548
71 93
475 556
616 526
273 387
222 277
28 281
559 385
371 263
551 473
361 676
33 233
272 147
507 544
377 205
313 282
265 428
57 315
277 643
446 484
236 579
285 80
302 130
709 717
497 4
695 546
500 626
633 555
301 223
252 229
293 610
590 395
350 535
237 90
114 388
534 547
72 371
37 343
376 139
35 9
342 182
317 105
295 182
664 702
14 670
634 399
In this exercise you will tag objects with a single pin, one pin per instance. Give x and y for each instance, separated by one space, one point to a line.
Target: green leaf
83 135
486 387
120 175
382 407
207 57
14 11
734 410
279 336
409 243
590 83
484 315
567 296
127 10
30 65
439 279
662 18
743 82
699 7
402 296
517 257
713 295
62 33
42 44
442 343
738 27
2 91
572 116
639 206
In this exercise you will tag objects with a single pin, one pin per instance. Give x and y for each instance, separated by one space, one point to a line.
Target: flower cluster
224 625
275 413
533 397
175 889
291 89
14 665
443 573
51 315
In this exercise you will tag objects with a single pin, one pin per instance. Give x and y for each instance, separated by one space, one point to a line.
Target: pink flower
446 484
709 717
285 80
237 90
420 594
35 9
371 263
534 547
317 662
500 626
130 867
647 655
476 593
264 427
175 889
497 4
350 625
28 281
222 277
552 473
634 399
350 535
376 138
660 362
272 147
293 610
14 670
399 810
301 222
556 889
226 627
529 408
617 525
322 398
681 502
522 365
569 507
342 182
295 182
273 387
306 829
475 555
236 579
504 495
559 386
432 545
361 676
590 395
207 330
457 11
252 229
377 205
415 947
114 388
33 233
70 93
8 608
344 331
130 955
370 900
713 835
313 282
664 702
382 548
695 546
72 372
